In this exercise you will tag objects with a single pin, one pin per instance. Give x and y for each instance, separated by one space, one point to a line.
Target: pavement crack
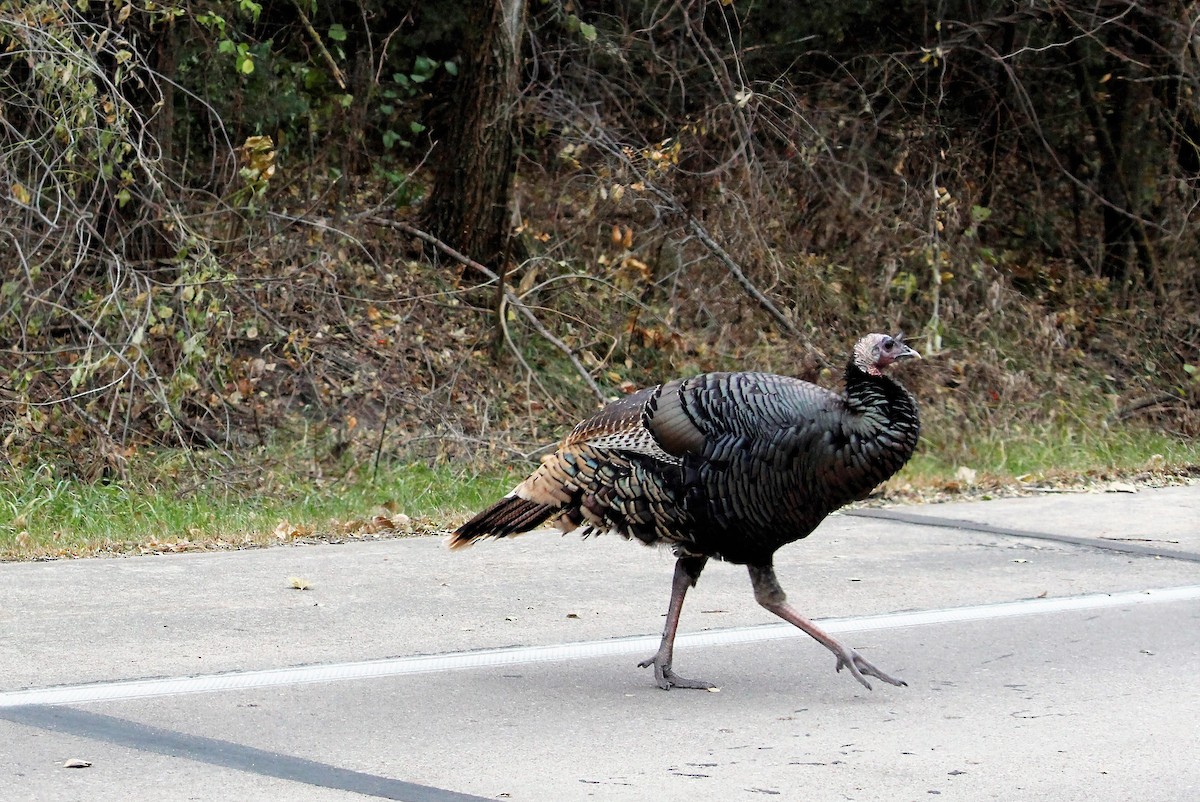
1123 545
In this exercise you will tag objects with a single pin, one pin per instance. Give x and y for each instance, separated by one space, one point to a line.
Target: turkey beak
905 352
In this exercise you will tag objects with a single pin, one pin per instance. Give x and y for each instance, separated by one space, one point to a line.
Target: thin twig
316 37
673 204
1143 403
379 444
506 336
732 266
510 297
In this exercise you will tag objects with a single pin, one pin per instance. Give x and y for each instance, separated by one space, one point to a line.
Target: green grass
174 501
157 509
1048 450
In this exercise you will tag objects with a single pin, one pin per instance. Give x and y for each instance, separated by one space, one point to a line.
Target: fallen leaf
297 583
286 531
76 763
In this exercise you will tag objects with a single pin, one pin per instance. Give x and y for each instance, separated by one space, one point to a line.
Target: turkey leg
770 595
687 571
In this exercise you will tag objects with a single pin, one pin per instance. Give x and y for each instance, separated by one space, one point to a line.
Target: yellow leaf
21 194
258 153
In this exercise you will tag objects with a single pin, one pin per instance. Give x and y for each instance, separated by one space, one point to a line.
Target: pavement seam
226 754
973 526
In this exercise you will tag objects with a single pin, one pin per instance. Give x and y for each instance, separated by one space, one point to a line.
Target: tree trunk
469 204
1126 152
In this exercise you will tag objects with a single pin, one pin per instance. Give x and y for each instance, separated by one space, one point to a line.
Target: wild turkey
724 465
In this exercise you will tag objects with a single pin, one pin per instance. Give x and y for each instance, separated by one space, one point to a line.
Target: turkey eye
889 344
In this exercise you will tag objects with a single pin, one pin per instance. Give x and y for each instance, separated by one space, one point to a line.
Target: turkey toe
859 666
668 679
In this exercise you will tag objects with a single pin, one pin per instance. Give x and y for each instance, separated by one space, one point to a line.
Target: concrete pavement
401 692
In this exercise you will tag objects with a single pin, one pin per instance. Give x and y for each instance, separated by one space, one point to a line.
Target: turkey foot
859 665
768 593
668 679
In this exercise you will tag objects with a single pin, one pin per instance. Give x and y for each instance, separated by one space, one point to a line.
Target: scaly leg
687 571
770 595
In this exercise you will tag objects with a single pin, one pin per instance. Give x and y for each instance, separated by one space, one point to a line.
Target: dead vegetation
683 203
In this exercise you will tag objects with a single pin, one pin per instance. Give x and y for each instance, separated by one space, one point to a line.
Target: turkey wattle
724 465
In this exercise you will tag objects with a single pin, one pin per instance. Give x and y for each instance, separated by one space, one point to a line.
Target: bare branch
510 298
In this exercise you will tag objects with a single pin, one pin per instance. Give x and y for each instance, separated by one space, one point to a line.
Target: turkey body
722 465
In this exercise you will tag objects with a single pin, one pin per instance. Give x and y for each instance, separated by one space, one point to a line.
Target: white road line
242 680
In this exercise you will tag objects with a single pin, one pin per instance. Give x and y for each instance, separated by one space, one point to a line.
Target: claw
859 665
668 679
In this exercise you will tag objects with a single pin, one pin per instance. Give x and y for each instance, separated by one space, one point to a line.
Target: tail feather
510 515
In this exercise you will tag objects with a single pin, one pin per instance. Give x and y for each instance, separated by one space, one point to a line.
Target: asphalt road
1051 647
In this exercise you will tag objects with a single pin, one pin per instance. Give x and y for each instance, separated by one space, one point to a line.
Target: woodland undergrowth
194 305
